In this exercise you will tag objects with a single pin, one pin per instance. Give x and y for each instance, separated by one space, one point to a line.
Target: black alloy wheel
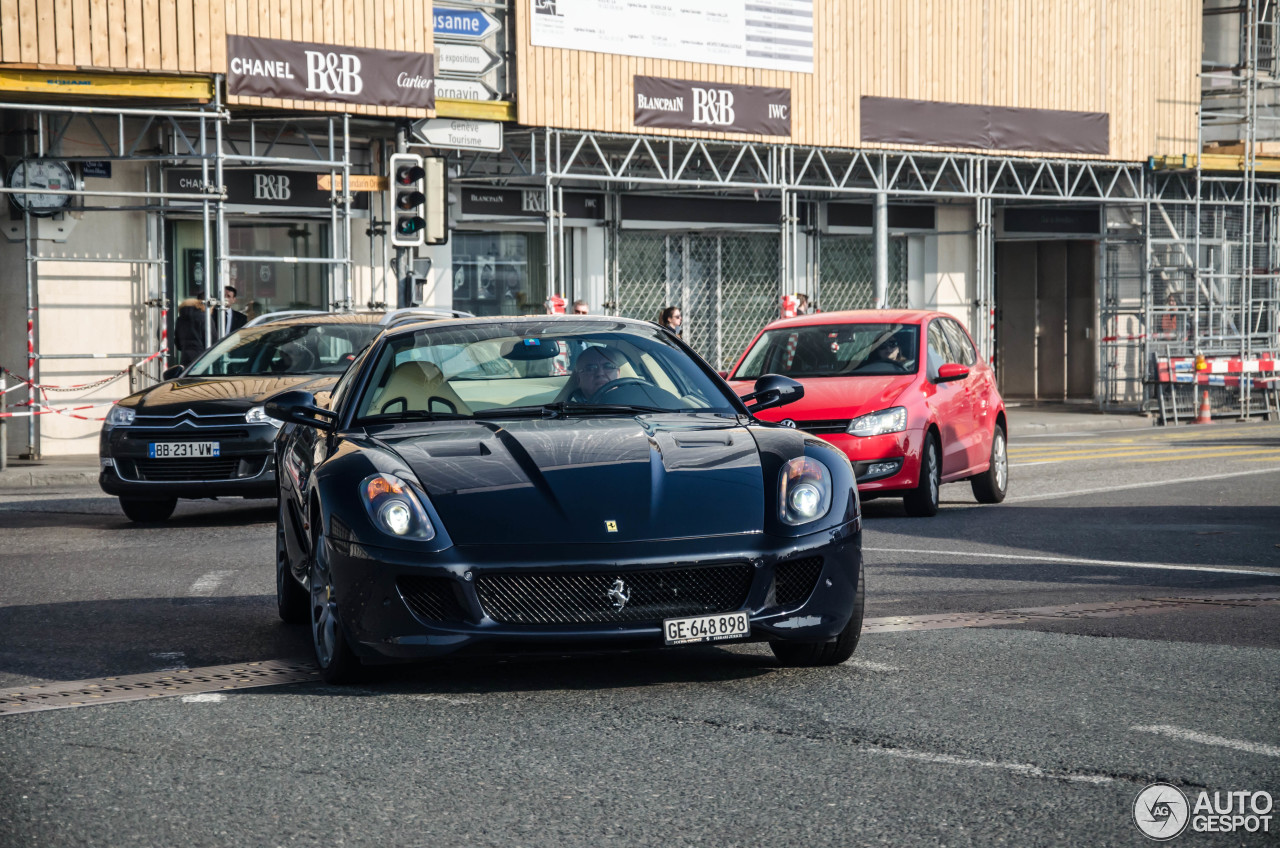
338 663
810 654
292 600
992 485
922 501
148 511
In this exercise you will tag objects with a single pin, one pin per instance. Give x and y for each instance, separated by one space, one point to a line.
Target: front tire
338 663
148 511
922 501
990 486
812 654
292 601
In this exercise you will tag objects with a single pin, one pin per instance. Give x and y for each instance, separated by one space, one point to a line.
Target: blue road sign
463 23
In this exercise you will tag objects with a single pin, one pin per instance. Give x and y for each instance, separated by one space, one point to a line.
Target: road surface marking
208 584
1109 563
1148 485
1023 769
205 698
1206 739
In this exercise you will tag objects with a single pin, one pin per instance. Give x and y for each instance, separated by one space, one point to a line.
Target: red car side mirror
951 371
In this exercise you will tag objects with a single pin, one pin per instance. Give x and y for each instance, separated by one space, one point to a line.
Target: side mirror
173 372
724 375
773 390
951 371
299 407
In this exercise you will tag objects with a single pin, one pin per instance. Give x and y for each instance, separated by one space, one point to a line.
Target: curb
1029 428
23 478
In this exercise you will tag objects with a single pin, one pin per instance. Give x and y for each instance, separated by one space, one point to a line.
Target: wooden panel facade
190 36
1135 60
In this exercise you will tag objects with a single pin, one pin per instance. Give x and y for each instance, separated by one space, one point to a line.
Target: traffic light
408 200
419 213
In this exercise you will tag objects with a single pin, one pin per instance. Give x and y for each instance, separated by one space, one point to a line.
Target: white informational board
771 34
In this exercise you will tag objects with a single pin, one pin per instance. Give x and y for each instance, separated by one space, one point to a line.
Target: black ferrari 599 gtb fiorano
552 483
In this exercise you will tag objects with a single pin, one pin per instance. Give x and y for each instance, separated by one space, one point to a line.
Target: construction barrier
1240 385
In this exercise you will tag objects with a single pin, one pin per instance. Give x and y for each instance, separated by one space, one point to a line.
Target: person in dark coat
230 319
189 328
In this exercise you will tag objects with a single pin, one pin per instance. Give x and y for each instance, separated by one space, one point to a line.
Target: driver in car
888 351
596 367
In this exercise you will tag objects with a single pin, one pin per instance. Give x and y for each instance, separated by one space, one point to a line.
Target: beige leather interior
417 383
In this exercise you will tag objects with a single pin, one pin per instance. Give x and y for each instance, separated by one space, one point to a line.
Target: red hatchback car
904 393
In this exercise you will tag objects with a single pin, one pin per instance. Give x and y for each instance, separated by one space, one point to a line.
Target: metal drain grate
1113 609
160 684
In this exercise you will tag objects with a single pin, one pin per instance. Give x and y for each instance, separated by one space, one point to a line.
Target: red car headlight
893 420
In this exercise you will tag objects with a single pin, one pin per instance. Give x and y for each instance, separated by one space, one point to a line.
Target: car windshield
833 350
287 349
538 369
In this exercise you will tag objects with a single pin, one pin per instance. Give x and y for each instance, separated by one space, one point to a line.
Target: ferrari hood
214 395
587 480
833 398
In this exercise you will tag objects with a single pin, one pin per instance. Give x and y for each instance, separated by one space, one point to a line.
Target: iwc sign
269 67
718 106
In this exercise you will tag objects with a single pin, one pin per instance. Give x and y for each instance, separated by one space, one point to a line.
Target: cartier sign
716 106
269 67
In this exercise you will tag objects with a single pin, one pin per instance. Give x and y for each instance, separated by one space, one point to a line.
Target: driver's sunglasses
592 369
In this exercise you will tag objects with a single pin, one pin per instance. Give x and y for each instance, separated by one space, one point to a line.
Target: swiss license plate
706 628
184 450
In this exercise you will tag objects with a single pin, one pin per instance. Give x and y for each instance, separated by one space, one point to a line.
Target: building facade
1033 168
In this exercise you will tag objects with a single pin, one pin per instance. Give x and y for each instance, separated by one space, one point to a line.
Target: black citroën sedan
547 483
203 432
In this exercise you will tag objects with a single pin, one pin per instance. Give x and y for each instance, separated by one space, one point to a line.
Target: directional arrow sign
465 59
459 133
450 89
464 23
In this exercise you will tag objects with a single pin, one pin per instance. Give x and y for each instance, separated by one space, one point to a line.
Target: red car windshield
833 350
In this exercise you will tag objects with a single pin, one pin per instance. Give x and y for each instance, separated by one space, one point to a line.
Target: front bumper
386 621
865 451
244 467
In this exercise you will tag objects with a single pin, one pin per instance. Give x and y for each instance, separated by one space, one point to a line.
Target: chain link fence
848 275
726 285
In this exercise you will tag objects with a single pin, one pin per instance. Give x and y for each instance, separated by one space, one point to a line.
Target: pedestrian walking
672 318
189 328
231 318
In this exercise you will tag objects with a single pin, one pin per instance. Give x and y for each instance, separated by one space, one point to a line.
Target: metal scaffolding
204 137
1213 282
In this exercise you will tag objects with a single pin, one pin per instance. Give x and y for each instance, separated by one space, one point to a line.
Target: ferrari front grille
613 596
432 598
794 581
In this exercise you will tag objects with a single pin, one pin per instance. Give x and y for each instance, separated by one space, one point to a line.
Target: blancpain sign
269 67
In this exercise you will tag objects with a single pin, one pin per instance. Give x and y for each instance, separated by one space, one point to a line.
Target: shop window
500 273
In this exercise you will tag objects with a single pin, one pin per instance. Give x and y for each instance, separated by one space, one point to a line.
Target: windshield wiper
612 407
545 410
413 415
561 408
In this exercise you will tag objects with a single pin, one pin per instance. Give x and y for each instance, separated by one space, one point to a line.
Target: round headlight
397 516
806 499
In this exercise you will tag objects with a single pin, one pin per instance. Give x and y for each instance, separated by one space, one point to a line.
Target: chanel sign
717 106
268 67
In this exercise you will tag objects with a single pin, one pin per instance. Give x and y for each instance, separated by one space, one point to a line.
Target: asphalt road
956 723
